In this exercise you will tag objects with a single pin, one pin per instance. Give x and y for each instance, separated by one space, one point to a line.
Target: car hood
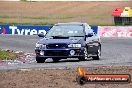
70 40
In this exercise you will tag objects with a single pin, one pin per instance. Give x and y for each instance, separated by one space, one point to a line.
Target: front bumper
60 53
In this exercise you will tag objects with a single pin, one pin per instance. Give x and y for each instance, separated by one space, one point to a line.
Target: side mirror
41 35
89 35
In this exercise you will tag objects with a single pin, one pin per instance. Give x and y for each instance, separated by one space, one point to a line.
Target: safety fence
102 31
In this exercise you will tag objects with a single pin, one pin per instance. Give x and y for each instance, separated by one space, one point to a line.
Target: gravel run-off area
58 78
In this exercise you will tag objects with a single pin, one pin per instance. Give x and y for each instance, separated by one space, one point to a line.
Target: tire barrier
122 17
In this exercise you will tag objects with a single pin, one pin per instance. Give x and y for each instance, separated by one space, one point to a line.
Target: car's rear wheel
85 55
40 60
98 56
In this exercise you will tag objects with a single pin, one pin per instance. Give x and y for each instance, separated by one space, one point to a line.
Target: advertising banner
23 30
115 31
28 30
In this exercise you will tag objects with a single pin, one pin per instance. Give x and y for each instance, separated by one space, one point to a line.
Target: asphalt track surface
115 52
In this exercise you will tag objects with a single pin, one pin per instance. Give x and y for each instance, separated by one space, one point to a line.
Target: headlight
74 45
40 45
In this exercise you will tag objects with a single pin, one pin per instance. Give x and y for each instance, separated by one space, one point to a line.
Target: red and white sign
115 31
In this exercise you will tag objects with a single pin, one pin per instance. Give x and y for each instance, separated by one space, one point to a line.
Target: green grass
4 55
41 17
44 18
24 0
15 23
5 16
102 24
38 17
46 23
23 17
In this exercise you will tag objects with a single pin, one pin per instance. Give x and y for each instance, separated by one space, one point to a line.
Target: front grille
56 46
56 53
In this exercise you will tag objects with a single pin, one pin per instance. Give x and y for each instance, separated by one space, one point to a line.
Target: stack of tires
122 17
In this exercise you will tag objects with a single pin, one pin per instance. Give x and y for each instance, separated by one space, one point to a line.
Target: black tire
55 60
98 54
40 60
81 80
85 55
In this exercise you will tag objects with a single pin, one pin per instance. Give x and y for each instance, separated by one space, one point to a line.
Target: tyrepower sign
23 30
115 31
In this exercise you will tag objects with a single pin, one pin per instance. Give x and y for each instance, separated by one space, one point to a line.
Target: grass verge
4 55
46 23
15 23
38 17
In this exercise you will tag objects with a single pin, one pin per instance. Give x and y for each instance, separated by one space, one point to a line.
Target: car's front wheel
85 55
98 54
40 59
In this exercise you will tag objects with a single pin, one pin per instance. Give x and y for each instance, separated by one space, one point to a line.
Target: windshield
66 31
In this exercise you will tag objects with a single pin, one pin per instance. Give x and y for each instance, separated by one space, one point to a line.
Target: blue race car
68 40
